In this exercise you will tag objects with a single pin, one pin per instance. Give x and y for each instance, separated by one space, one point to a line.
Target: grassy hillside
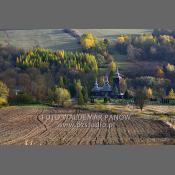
57 38
126 66
47 38
113 33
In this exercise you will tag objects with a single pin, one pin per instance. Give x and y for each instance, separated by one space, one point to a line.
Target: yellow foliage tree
149 92
101 80
61 53
147 37
166 38
123 85
4 93
112 67
159 73
88 40
122 38
171 94
62 96
170 67
78 85
92 61
3 101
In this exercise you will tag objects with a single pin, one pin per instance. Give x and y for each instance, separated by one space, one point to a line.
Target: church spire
106 87
96 83
107 81
117 74
117 71
96 87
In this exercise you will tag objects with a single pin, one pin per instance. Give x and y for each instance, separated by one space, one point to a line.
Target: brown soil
29 126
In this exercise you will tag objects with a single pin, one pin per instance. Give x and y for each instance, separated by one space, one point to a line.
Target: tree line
148 46
44 75
45 59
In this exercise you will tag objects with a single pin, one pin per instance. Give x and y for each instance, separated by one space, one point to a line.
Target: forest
43 75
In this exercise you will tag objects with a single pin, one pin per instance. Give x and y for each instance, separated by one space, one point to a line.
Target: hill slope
47 38
57 38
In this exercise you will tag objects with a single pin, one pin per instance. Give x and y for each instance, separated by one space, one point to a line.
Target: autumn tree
80 99
159 73
122 38
109 58
112 66
88 40
61 53
103 46
24 81
123 85
122 43
171 94
38 88
146 37
4 93
101 80
62 96
112 69
149 92
46 59
166 38
22 98
61 82
170 67
78 85
85 94
161 92
91 60
139 99
79 94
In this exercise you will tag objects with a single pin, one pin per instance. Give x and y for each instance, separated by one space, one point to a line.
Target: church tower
116 83
96 88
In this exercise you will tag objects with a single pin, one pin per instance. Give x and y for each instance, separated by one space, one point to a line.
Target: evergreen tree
78 87
61 82
80 99
111 75
85 94
112 69
126 95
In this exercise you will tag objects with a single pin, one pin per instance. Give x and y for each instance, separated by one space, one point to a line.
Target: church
107 90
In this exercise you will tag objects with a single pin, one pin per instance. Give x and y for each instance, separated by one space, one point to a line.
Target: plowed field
56 126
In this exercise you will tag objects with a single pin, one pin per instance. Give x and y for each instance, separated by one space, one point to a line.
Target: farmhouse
107 90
